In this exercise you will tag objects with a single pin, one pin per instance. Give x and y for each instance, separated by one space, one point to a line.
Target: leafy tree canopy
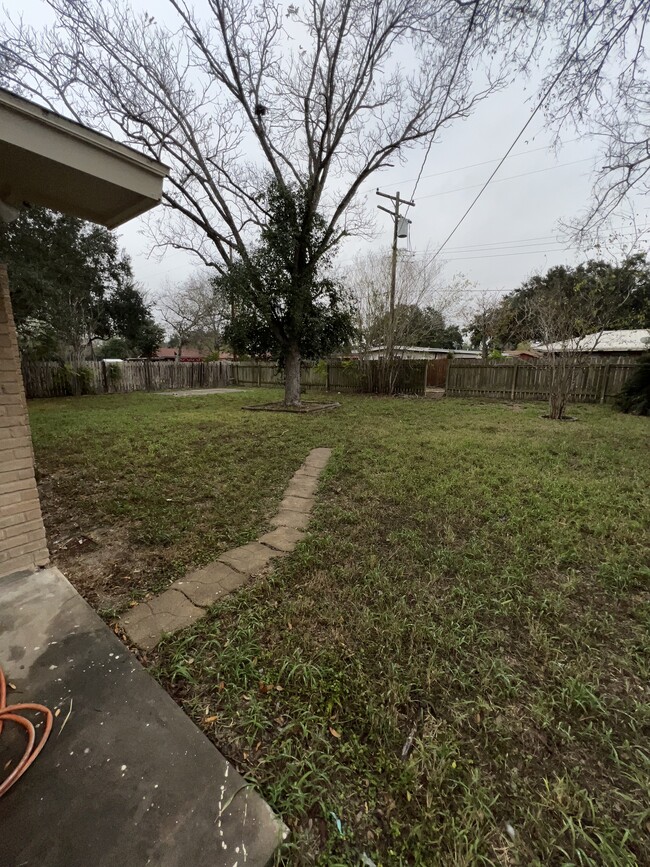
70 286
287 308
114 347
416 326
602 296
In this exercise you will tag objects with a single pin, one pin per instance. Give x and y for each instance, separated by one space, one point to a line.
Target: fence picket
592 382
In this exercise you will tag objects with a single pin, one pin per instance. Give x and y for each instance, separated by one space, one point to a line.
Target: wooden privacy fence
591 382
437 372
376 377
251 373
50 379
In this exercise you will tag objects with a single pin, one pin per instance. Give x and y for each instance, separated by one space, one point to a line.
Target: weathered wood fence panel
50 379
437 372
251 373
591 382
376 377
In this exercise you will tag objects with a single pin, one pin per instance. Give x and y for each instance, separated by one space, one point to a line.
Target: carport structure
125 777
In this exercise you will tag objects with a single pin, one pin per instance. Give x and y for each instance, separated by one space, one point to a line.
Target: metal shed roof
624 340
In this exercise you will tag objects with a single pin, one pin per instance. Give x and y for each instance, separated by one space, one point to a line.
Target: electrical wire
498 255
535 240
446 99
509 177
10 713
470 166
537 108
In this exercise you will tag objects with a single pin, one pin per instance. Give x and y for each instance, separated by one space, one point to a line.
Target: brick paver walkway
186 600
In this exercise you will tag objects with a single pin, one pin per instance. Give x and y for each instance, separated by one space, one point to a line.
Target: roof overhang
48 160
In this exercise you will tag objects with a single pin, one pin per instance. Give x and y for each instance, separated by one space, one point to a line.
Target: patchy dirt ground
102 562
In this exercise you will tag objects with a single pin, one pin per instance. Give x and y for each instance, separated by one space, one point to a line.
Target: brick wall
22 535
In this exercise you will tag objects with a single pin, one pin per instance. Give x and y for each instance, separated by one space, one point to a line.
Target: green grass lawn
475 577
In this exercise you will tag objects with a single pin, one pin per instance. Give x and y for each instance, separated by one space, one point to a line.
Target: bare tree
420 287
483 314
603 90
555 320
191 310
214 310
569 324
318 95
423 298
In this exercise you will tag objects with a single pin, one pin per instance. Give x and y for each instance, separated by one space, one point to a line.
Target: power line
498 255
530 248
508 178
514 242
537 108
447 95
474 165
494 248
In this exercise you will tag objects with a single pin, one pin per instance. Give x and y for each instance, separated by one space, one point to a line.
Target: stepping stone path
185 601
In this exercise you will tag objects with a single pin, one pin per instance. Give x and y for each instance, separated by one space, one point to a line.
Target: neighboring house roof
630 340
523 353
428 350
187 352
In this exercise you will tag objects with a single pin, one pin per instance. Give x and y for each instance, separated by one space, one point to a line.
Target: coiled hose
10 713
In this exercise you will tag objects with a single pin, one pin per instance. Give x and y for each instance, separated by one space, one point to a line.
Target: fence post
603 390
515 372
449 363
104 377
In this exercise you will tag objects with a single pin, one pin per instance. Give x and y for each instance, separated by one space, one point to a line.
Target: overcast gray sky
512 232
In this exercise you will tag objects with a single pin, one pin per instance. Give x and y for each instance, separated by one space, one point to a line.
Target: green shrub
71 380
635 394
114 373
62 379
84 379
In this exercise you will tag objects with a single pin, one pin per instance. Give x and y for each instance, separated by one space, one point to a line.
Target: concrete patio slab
128 779
249 559
149 621
204 586
200 392
284 538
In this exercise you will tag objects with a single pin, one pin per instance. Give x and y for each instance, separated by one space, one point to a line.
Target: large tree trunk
292 377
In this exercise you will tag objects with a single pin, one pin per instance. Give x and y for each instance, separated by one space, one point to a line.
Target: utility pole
395 214
233 310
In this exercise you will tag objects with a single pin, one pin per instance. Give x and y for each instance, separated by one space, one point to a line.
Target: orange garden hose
9 713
